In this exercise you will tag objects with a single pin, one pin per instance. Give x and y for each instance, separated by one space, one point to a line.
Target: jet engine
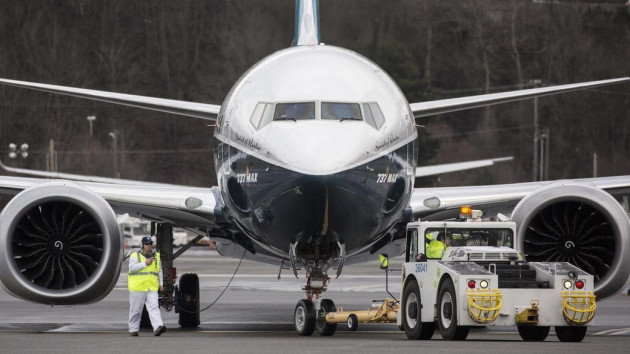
59 245
578 223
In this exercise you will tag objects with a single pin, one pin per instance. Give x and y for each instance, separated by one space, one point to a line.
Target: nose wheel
304 317
310 313
307 319
324 328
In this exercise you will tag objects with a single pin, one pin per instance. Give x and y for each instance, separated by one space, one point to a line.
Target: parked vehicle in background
134 229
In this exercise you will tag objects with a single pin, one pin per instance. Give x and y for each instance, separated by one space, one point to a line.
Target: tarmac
255 314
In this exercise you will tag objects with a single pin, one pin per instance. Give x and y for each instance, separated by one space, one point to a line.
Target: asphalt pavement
255 315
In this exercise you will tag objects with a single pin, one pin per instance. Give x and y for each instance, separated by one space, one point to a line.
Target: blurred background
195 50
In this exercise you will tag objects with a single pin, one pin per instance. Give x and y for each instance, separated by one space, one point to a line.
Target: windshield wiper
286 118
348 118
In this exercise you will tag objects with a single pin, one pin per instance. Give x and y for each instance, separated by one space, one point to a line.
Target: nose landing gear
310 313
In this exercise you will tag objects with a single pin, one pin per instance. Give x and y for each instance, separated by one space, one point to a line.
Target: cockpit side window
295 111
257 115
379 118
367 115
341 111
262 115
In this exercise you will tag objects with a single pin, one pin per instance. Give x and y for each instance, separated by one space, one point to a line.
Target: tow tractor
385 311
462 274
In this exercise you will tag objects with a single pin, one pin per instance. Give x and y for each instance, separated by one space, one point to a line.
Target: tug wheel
447 313
353 322
533 333
570 334
414 328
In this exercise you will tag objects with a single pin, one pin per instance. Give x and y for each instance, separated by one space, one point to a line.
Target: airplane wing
191 109
428 201
421 109
78 218
73 177
179 205
433 170
148 200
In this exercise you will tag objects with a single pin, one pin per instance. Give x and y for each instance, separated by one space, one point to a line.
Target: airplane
316 157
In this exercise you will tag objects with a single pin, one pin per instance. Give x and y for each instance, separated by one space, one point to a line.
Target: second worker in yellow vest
436 248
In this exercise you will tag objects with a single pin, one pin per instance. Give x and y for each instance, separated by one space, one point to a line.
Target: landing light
193 203
568 284
432 203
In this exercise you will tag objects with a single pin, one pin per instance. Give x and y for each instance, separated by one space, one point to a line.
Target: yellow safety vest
145 279
435 248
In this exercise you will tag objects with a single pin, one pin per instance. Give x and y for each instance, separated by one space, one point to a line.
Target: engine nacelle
59 245
578 223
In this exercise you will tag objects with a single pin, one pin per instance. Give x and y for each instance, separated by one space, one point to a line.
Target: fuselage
315 147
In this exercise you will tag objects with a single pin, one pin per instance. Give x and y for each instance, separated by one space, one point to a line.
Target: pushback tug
478 280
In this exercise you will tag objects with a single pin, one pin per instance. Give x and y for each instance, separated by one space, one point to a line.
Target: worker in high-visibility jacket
145 278
435 247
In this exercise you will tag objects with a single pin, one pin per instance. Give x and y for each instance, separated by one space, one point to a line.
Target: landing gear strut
184 298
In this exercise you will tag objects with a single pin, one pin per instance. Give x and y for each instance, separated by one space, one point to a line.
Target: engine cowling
59 245
578 223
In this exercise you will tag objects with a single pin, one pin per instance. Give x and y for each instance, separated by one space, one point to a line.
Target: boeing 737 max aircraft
316 150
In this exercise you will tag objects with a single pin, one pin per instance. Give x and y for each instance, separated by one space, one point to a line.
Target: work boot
133 334
160 330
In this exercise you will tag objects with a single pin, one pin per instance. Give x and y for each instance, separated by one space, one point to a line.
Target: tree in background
195 50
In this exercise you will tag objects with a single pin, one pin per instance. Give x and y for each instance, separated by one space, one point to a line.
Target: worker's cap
146 240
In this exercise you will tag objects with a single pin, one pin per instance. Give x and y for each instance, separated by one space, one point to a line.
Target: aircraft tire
324 328
145 321
304 318
189 301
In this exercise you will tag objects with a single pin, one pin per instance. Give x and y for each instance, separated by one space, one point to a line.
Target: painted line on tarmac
364 288
613 332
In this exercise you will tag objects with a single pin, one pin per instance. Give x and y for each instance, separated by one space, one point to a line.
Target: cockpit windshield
341 111
295 111
266 112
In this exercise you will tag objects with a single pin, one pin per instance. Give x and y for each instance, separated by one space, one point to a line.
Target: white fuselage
315 145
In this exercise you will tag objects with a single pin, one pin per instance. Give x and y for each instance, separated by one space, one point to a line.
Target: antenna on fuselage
306 23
